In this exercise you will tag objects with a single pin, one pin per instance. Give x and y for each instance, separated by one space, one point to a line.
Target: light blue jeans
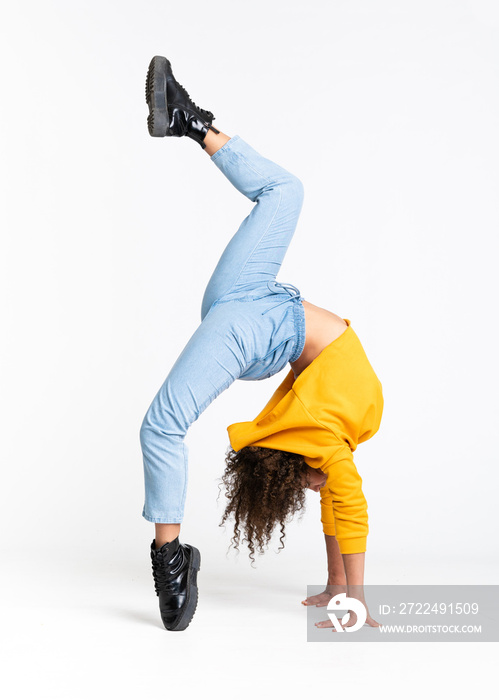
251 325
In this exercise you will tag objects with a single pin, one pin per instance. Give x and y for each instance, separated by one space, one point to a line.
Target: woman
252 326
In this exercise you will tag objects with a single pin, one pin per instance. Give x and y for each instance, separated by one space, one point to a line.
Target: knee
164 423
294 190
145 432
151 430
298 187
206 305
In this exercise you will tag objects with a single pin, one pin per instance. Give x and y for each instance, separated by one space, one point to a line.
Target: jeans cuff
226 147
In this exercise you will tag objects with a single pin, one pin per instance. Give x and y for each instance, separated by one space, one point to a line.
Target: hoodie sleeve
343 505
327 513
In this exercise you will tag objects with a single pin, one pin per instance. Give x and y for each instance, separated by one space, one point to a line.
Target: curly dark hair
264 487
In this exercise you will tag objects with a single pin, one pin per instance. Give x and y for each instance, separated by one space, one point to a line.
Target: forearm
354 569
335 567
343 568
345 574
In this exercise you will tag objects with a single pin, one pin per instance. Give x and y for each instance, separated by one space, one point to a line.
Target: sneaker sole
192 592
157 121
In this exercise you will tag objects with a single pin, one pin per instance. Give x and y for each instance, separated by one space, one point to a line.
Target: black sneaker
171 110
175 567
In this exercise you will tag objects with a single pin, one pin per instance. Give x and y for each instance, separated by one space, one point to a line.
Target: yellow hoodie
334 404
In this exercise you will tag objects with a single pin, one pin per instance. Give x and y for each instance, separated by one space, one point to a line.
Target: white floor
85 626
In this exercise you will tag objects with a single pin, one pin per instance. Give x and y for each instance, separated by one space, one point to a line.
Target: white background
388 113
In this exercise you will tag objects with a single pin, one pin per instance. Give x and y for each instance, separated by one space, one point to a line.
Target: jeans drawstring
293 292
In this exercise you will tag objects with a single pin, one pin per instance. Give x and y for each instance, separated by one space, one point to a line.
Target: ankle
213 142
166 532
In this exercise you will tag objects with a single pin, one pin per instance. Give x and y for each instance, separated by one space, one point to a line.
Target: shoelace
163 575
160 578
199 109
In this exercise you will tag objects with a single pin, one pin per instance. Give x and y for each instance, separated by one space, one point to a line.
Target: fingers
324 624
320 600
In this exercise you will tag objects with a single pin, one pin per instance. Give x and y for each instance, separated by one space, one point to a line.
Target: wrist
333 589
356 591
354 568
